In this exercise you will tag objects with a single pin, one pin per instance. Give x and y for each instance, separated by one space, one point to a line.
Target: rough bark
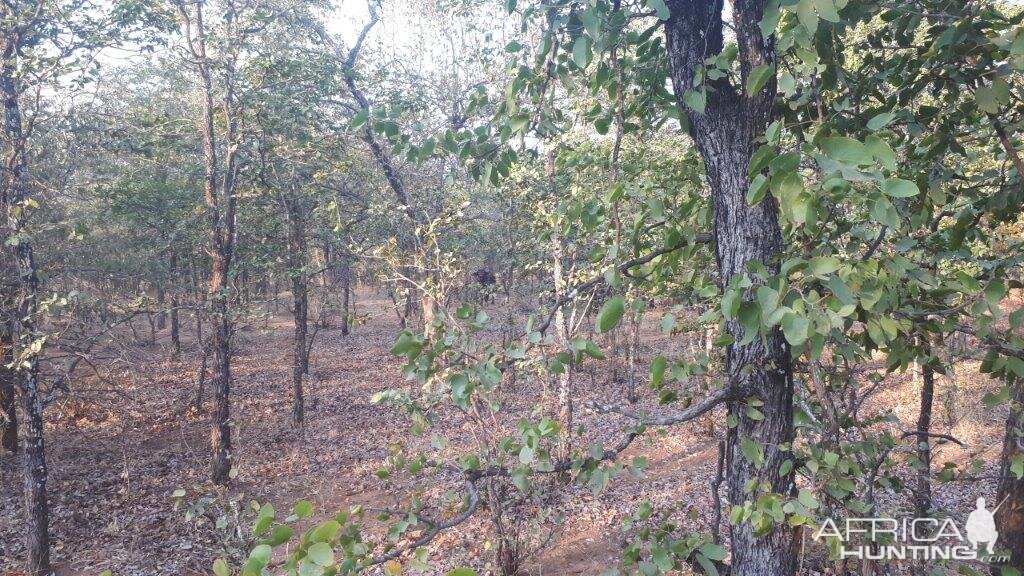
8 397
1010 515
923 494
21 270
220 213
300 303
565 395
346 287
175 328
725 134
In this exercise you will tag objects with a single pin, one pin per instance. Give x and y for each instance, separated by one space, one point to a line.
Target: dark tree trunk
725 134
1010 516
220 213
37 510
221 345
8 397
201 379
923 494
346 287
300 303
20 270
161 299
175 328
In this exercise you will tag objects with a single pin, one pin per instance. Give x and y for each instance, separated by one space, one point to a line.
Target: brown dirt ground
117 451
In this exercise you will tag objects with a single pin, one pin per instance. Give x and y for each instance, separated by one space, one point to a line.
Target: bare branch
714 399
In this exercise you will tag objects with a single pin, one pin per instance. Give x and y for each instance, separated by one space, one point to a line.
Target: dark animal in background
484 277
484 281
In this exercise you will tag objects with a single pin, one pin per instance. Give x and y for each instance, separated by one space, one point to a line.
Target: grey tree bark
219 202
20 270
725 134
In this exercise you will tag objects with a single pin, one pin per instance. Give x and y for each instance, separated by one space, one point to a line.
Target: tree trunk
20 269
220 212
346 287
923 494
37 510
161 299
632 346
175 328
8 397
1010 516
565 399
725 133
300 299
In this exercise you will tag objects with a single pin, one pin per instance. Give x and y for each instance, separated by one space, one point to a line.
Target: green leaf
787 186
658 366
757 190
303 509
661 558
750 319
581 51
263 520
359 119
806 498
325 532
407 344
752 451
526 454
881 151
279 535
994 293
1017 466
707 565
880 121
822 266
795 329
986 98
220 568
712 551
461 572
611 313
321 554
260 555
519 123
759 76
846 150
696 100
730 303
900 188
807 16
659 8
826 10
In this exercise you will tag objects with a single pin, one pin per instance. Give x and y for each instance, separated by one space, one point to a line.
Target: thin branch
714 399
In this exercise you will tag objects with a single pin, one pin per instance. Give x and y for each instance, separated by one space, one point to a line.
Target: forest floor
119 448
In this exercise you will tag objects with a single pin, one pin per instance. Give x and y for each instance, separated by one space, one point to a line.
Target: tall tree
220 202
726 131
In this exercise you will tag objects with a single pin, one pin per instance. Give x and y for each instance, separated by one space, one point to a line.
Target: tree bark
8 396
21 270
565 395
220 212
346 287
1010 516
923 494
725 133
300 300
175 328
